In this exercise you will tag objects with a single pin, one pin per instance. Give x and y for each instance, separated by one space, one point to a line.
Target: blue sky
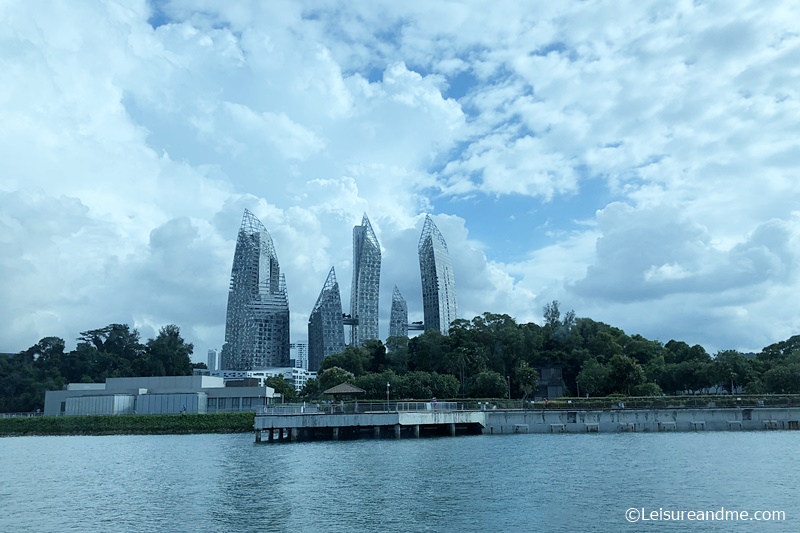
636 161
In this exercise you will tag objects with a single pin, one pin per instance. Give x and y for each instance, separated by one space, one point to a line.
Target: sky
636 161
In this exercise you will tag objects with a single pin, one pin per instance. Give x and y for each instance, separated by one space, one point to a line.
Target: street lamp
387 396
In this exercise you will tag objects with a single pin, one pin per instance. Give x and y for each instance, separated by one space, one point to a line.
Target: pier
420 419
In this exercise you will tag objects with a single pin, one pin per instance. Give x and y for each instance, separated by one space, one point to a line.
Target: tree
283 387
377 361
732 370
488 384
593 377
783 379
311 390
552 315
352 359
527 379
171 351
624 374
331 377
397 354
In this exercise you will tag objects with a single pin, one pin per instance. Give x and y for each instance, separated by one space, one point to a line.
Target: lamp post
387 396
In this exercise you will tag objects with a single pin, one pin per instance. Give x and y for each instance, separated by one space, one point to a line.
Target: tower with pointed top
398 319
365 289
325 327
257 322
438 283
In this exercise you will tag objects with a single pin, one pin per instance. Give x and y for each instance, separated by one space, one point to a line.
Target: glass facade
257 323
365 290
438 283
325 326
398 320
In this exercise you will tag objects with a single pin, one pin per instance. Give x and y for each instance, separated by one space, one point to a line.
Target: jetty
418 419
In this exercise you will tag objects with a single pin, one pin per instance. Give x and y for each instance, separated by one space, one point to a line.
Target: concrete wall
637 420
497 422
164 383
157 404
117 404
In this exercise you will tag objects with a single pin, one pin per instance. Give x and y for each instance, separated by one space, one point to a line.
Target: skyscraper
438 283
213 359
365 290
398 320
257 324
325 327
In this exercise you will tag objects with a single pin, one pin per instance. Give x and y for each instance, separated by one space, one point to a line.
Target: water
483 483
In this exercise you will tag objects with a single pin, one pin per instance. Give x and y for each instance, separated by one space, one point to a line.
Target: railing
366 407
566 404
21 415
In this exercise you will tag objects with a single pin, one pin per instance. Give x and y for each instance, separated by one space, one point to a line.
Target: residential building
325 326
365 289
398 319
257 323
438 282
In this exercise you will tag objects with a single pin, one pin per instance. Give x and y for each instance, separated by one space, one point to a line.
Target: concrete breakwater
640 420
397 424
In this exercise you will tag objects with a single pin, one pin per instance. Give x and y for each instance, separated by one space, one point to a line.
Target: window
234 403
222 403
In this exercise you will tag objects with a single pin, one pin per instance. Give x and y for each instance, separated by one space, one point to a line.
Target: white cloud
130 152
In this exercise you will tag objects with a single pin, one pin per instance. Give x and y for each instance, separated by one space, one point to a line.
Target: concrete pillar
258 435
271 435
397 431
452 429
293 434
280 434
416 430
376 431
335 433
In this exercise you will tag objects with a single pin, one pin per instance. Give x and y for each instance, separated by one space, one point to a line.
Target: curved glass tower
365 290
325 327
257 323
398 320
438 283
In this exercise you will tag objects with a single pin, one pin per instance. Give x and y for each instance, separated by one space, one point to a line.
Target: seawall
641 420
397 424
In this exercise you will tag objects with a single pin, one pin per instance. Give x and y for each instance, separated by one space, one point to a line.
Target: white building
213 360
298 352
155 395
297 377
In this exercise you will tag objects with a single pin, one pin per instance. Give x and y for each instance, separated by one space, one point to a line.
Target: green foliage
128 424
283 387
112 351
330 377
624 374
527 379
488 384
311 390
474 358
593 378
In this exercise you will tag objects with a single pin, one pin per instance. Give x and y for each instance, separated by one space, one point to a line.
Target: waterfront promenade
416 419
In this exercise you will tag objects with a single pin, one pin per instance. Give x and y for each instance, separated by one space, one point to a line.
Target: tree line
482 357
479 358
112 351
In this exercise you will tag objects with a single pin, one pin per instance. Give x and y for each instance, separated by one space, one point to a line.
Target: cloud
135 134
